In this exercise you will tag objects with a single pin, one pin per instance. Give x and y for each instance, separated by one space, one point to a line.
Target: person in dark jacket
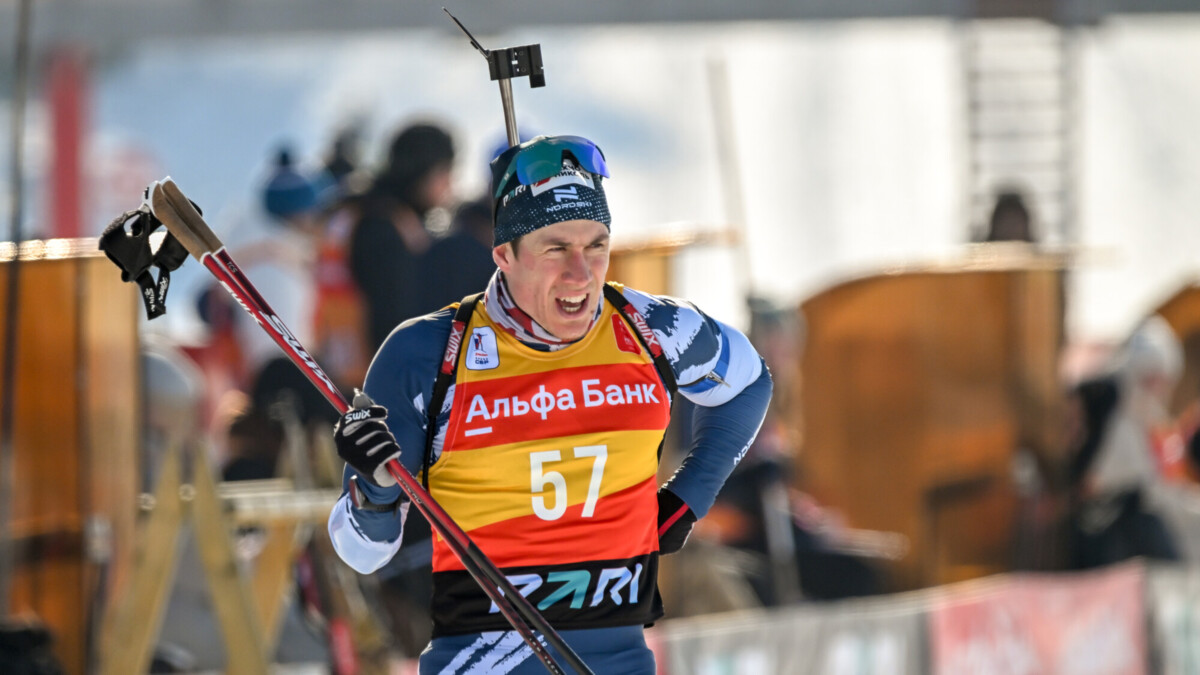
390 236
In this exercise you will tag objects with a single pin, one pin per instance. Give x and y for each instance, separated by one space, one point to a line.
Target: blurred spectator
275 244
390 236
282 265
340 325
386 259
1118 465
461 262
343 157
255 444
1010 219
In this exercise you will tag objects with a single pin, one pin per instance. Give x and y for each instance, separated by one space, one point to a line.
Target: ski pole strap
130 250
445 377
644 335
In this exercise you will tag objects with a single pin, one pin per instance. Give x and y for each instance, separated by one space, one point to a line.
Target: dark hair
414 153
1010 219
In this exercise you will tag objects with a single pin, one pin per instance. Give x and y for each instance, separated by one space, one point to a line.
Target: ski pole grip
190 216
361 400
162 208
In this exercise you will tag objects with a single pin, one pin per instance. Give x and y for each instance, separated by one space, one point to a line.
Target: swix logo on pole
309 361
643 329
452 346
241 302
275 324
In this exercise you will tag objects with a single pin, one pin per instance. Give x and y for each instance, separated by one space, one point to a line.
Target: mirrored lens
586 152
543 160
538 163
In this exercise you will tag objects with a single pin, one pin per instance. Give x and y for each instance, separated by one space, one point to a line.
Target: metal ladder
1019 77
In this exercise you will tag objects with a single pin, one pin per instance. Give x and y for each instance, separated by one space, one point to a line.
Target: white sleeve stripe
744 367
362 554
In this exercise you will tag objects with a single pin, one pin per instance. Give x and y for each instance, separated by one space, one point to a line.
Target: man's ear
504 255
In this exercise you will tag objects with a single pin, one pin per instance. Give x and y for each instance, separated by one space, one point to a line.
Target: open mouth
572 304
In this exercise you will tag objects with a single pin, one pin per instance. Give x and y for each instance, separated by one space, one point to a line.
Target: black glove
364 441
130 250
675 521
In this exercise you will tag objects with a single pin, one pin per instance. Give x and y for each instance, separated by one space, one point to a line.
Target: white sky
848 136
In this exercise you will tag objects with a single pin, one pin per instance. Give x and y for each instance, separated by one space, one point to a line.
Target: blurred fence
1132 618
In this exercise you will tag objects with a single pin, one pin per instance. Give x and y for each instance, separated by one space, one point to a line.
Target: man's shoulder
689 336
703 351
665 314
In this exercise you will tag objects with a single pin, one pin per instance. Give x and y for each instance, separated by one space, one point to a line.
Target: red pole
67 95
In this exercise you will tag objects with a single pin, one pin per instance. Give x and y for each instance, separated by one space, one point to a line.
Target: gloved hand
675 521
365 443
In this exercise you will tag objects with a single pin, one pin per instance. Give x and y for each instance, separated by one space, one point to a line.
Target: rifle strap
647 339
445 377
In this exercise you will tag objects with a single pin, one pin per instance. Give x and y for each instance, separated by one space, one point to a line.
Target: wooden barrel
918 387
76 436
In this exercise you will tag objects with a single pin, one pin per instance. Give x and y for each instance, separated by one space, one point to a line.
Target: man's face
556 274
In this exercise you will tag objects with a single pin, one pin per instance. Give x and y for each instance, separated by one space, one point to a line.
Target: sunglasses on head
542 158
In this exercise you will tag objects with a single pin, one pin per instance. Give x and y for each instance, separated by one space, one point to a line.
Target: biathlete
545 443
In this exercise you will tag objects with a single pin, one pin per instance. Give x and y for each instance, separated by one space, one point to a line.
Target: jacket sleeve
400 379
721 435
719 371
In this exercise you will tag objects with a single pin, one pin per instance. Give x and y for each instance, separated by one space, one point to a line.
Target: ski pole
169 205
